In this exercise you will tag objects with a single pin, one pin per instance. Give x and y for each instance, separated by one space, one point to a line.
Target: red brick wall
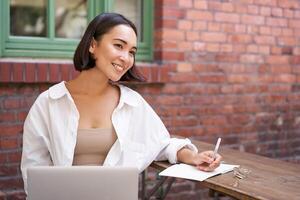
235 72
221 68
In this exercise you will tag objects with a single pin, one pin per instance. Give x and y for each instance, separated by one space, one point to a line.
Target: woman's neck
90 82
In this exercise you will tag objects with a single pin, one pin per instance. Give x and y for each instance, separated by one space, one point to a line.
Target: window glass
132 9
70 18
52 28
28 18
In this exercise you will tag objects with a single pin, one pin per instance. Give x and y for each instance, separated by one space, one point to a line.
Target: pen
216 148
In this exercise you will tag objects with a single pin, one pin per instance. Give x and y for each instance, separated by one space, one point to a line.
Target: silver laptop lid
82 183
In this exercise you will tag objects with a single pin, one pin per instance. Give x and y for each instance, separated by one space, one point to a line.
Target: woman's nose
124 56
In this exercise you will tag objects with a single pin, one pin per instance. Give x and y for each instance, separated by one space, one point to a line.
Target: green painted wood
51 47
147 44
51 19
1 32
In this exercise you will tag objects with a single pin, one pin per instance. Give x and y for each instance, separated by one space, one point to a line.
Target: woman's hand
204 161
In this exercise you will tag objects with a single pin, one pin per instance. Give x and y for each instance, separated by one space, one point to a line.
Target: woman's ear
93 46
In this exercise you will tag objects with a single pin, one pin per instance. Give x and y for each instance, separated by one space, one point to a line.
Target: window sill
24 70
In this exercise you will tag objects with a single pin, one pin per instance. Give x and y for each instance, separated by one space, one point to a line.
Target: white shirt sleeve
169 152
35 141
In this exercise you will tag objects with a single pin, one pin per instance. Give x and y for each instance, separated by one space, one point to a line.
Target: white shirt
50 132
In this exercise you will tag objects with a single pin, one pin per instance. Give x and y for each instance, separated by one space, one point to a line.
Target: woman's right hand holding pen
207 160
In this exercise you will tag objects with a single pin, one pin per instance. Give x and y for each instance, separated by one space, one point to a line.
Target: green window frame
51 47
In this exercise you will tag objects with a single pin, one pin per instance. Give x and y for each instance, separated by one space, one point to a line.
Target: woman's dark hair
99 26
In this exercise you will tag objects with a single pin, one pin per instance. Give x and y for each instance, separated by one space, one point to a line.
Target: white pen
216 148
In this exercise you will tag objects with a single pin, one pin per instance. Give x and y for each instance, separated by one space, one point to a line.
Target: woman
93 120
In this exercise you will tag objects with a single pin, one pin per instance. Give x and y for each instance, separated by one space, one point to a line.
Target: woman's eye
132 53
118 46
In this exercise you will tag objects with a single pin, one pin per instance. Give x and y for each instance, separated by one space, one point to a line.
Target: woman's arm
35 151
173 149
203 160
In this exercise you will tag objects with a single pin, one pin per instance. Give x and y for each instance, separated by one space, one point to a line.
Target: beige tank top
93 145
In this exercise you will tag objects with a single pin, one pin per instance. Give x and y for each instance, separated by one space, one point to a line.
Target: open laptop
82 183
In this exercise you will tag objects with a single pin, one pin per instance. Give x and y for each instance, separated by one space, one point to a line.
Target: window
52 28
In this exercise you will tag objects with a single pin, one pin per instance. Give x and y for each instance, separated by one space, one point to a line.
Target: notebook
192 173
82 183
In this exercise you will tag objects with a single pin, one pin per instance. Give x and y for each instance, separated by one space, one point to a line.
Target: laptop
82 183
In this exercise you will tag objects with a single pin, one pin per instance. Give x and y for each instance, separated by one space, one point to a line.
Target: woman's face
115 51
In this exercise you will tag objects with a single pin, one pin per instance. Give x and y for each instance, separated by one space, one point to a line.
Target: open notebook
191 172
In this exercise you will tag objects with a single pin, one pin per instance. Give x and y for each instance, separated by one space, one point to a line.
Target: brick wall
235 72
227 68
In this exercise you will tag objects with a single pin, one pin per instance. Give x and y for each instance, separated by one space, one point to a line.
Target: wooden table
266 179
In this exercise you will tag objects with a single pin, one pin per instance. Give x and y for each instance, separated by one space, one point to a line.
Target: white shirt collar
58 90
127 96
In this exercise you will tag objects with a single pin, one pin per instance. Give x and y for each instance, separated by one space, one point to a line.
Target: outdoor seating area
149 84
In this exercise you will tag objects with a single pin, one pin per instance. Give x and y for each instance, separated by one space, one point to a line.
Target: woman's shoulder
129 91
136 100
53 92
131 96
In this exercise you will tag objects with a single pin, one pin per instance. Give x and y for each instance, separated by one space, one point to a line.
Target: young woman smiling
94 120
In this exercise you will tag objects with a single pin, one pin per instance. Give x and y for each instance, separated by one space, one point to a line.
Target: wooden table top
266 178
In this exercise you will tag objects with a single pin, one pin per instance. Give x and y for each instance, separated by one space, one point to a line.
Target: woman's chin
115 79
